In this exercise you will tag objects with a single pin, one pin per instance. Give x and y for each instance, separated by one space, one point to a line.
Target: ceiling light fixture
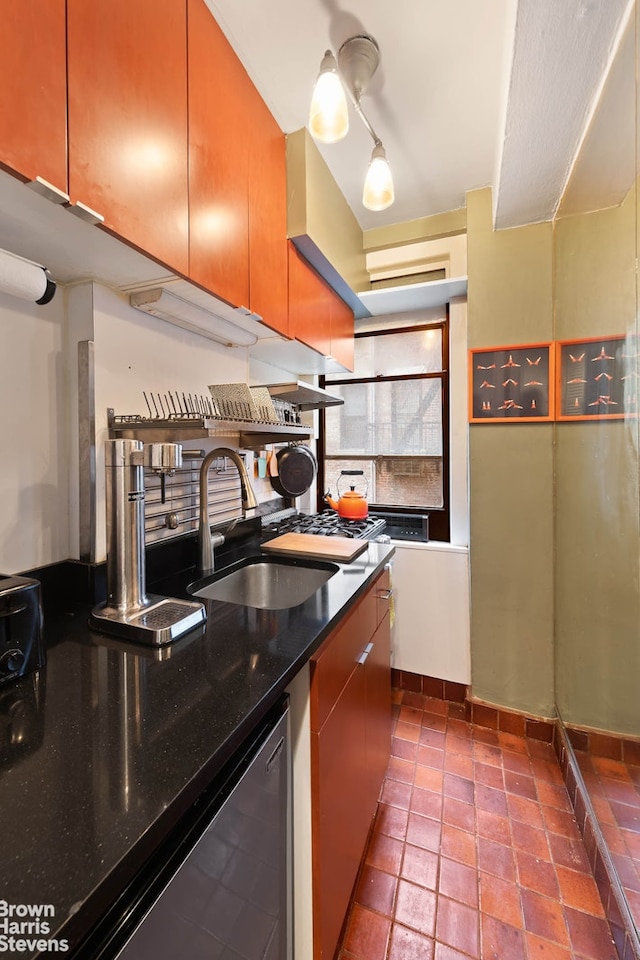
358 60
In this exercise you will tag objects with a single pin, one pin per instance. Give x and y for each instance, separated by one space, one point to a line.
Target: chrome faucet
207 542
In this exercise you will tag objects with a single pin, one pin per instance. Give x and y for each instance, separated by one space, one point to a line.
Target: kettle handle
354 473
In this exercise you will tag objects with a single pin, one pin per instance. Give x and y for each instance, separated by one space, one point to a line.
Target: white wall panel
431 599
33 433
135 352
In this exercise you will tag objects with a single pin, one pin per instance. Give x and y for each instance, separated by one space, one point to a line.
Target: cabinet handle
385 595
275 755
365 653
47 190
83 212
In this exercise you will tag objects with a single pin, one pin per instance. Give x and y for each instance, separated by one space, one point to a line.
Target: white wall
458 424
39 411
431 633
34 478
137 353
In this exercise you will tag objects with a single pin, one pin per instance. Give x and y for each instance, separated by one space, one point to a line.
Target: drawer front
382 592
332 666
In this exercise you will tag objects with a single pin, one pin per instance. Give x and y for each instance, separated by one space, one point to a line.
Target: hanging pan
296 471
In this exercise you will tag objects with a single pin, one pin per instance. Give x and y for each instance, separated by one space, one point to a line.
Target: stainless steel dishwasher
230 897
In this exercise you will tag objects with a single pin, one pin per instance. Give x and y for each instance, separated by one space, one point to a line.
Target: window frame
439 517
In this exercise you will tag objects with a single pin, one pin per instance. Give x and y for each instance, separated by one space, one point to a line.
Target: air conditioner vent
425 277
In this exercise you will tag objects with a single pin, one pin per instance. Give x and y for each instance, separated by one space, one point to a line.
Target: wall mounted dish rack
255 415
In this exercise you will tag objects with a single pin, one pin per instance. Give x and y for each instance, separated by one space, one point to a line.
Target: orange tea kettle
351 505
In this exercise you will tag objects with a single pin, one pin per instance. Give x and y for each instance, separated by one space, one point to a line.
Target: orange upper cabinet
33 119
309 305
127 115
342 329
317 315
219 93
268 270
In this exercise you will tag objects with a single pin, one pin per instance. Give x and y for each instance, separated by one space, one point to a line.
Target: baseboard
600 743
473 710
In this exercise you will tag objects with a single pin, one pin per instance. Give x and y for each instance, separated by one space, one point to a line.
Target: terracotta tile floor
614 790
474 851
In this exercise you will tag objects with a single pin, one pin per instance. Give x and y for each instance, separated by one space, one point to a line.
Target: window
393 424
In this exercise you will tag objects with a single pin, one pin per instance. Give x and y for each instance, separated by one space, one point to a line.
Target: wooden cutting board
315 545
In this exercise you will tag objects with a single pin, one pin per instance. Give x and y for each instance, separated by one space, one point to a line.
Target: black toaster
21 637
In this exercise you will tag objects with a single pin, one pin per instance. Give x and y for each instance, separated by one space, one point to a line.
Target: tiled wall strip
602 744
620 920
507 721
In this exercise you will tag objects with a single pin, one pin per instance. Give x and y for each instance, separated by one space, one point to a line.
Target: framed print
511 384
597 378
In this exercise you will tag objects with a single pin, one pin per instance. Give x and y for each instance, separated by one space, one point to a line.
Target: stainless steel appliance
129 611
406 526
21 642
224 890
327 524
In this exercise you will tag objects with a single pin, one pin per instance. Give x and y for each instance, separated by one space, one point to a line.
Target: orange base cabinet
350 747
127 102
33 71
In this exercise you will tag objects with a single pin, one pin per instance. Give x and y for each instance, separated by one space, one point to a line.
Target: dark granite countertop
119 740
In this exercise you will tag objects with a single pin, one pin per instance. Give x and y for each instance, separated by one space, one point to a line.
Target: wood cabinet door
33 73
309 305
378 707
219 92
342 330
127 103
334 663
268 260
340 820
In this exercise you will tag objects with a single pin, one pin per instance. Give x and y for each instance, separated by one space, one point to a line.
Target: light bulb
328 115
378 185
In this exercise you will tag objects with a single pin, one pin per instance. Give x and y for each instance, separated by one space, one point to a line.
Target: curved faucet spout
205 540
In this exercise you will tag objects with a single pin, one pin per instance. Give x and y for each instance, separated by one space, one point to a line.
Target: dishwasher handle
275 756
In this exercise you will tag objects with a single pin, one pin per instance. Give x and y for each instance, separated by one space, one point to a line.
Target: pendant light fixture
378 185
358 60
328 116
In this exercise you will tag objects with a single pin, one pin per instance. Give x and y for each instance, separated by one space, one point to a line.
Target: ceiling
469 93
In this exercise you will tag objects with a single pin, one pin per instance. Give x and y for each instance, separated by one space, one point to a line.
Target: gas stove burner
326 524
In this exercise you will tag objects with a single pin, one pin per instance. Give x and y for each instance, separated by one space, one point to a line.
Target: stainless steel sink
267 584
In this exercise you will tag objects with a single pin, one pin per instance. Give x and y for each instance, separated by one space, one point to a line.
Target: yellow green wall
510 301
554 507
597 565
319 219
